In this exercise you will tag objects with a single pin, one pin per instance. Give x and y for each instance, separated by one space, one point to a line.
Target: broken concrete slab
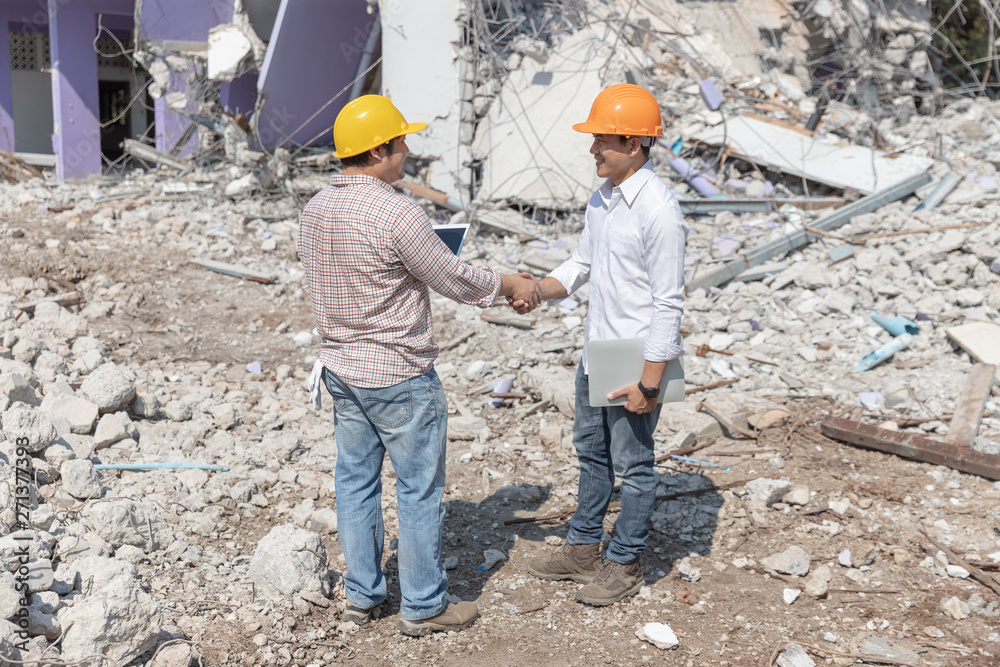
521 120
979 339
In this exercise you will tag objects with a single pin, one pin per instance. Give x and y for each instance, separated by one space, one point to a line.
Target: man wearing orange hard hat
632 253
370 256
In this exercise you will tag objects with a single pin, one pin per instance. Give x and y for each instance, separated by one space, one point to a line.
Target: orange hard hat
624 109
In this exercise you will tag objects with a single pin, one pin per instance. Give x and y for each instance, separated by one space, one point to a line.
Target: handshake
523 292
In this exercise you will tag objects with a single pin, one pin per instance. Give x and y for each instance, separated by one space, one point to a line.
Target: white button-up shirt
632 251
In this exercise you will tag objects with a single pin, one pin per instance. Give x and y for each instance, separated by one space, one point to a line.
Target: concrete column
76 139
6 89
170 125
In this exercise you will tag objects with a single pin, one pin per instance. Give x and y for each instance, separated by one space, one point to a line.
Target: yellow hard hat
367 122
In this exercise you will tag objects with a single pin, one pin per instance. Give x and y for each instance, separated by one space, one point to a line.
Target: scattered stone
173 655
288 560
22 421
465 428
766 492
80 480
793 560
688 572
451 562
879 647
955 608
79 414
799 495
120 622
790 595
818 583
108 388
123 521
15 389
659 635
794 656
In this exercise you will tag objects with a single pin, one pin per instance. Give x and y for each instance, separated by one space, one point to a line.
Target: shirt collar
631 186
355 180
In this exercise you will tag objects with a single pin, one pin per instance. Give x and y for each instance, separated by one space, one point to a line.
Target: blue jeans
408 420
613 441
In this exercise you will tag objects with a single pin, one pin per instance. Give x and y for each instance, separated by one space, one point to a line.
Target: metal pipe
366 58
943 189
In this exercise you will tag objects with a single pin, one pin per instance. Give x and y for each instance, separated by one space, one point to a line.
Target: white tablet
615 364
453 236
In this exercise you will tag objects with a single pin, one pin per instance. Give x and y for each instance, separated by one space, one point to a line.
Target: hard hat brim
411 128
588 128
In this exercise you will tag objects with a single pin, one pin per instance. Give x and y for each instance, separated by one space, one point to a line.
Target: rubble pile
156 336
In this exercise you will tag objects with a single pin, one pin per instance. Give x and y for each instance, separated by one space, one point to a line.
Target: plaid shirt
369 255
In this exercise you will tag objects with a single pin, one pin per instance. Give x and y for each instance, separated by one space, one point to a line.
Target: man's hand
634 400
527 294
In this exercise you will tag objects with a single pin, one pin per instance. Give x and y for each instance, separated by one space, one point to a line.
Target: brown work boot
579 562
456 616
613 583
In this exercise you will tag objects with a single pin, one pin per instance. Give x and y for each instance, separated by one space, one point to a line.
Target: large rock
795 656
793 560
114 427
90 574
465 428
60 320
818 583
288 560
767 491
108 387
80 480
124 521
120 622
79 414
23 421
9 595
15 389
556 385
879 647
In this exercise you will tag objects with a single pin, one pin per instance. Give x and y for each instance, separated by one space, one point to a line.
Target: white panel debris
530 151
228 47
817 158
430 80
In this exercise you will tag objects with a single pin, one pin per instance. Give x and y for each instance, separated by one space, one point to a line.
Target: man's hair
366 158
645 148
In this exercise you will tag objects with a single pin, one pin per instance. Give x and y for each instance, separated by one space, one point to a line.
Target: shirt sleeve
664 236
430 261
575 271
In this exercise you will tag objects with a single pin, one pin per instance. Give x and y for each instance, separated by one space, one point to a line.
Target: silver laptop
614 364
453 236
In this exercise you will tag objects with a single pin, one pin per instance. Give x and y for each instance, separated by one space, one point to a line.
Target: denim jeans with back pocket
408 421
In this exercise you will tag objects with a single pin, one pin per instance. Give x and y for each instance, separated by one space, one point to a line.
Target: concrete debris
158 315
659 635
287 560
794 656
880 647
118 622
793 560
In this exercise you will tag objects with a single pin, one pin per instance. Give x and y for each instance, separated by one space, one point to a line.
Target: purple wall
240 94
183 20
313 54
6 89
77 137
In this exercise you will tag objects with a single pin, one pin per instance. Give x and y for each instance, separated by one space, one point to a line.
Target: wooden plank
724 419
234 270
913 447
64 300
971 403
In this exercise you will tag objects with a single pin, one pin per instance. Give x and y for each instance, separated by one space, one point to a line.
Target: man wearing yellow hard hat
632 252
370 256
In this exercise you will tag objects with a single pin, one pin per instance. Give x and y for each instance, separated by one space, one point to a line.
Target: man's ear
638 146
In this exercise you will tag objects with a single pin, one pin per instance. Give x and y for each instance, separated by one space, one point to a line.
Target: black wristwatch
649 392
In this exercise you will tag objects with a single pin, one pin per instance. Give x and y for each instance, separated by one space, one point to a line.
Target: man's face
613 154
395 165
